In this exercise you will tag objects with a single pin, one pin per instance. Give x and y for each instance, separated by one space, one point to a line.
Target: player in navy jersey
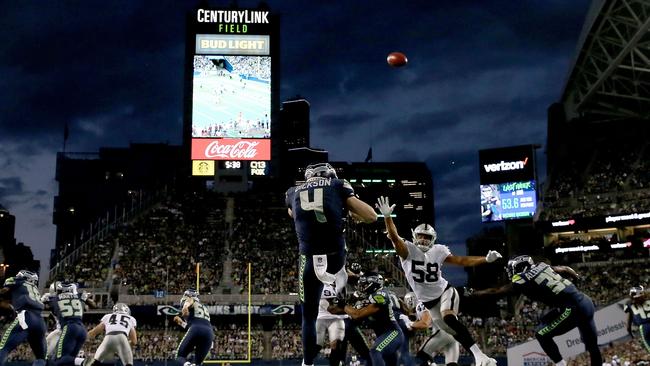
319 207
28 324
377 308
638 312
199 335
68 307
572 308
401 318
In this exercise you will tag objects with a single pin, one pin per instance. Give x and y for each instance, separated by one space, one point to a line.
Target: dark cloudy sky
481 74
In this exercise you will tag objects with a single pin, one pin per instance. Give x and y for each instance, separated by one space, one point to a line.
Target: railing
96 231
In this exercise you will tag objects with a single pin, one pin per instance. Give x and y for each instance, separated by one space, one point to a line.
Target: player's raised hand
492 256
384 207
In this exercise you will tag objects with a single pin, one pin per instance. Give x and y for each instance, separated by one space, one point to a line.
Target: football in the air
396 59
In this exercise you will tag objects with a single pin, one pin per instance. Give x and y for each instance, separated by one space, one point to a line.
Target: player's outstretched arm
499 291
384 206
360 210
362 313
472 260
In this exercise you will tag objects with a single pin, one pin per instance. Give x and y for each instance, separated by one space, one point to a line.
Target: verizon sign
507 164
231 149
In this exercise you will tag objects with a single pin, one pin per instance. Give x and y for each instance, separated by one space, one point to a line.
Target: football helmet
121 308
429 234
190 293
410 301
355 268
519 265
55 287
324 170
68 287
370 282
28 276
636 292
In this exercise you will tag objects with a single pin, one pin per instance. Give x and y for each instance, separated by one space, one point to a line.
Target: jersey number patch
427 274
124 320
316 205
71 307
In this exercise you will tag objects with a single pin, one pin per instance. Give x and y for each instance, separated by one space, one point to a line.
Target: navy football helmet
370 282
28 276
519 265
636 292
324 170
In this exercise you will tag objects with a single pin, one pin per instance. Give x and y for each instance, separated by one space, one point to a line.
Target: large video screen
231 97
506 201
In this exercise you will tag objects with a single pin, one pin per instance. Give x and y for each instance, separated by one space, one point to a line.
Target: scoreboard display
231 75
508 189
503 201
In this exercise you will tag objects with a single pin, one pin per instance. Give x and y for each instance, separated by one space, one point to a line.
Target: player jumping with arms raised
422 262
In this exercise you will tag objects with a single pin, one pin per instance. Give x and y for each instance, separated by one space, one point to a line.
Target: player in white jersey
439 341
120 336
332 324
52 337
422 262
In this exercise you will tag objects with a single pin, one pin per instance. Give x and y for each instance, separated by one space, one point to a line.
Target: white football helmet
410 301
121 308
430 237
55 286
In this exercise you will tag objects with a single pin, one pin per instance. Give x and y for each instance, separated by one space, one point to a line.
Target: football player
439 341
120 336
52 337
68 307
378 310
571 308
28 324
403 321
318 208
332 324
638 312
422 262
199 335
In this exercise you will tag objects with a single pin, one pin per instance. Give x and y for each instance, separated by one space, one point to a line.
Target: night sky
481 74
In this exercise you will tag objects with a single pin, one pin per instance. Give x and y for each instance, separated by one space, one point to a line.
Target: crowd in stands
626 353
612 180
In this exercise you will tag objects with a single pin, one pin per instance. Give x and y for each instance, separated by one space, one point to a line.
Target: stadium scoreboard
508 183
231 100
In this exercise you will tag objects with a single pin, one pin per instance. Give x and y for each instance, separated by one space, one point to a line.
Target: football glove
492 256
384 207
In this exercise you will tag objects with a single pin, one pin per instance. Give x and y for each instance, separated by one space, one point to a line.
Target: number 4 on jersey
316 205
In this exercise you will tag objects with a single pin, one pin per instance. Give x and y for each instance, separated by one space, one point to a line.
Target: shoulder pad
518 280
10 281
379 297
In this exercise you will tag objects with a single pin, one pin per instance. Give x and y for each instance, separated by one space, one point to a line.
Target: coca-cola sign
231 149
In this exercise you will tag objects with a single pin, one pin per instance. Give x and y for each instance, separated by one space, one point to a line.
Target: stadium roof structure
610 77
